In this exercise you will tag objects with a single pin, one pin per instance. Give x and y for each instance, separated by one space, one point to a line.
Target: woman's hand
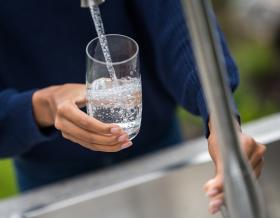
214 187
59 106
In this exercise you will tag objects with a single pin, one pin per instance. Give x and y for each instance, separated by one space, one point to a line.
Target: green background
7 179
257 96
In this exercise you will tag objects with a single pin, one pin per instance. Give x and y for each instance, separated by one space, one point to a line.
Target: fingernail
123 138
115 130
216 203
212 193
126 145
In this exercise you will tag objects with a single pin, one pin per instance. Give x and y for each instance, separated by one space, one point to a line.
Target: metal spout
89 3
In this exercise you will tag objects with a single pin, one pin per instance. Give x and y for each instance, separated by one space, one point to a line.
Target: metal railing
242 192
179 171
63 197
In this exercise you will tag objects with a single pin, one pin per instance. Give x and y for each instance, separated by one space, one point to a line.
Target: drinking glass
115 99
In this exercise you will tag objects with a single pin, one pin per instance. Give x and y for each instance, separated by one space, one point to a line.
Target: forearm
213 130
18 127
254 152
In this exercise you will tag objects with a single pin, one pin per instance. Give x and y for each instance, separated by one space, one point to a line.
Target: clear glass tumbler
118 100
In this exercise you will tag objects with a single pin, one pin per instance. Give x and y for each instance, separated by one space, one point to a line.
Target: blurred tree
8 185
257 59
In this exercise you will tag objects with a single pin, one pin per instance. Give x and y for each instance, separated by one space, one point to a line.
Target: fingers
258 169
80 128
214 190
257 160
248 145
70 111
216 203
89 137
96 147
214 185
257 155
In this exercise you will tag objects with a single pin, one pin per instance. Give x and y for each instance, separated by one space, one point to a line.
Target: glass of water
114 92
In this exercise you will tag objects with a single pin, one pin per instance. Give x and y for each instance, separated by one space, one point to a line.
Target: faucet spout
89 3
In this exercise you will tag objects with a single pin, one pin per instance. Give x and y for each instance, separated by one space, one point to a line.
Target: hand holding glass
115 100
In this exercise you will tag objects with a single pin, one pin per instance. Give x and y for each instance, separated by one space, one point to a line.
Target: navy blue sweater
43 44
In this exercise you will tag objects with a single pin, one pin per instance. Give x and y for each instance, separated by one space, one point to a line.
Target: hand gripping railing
242 192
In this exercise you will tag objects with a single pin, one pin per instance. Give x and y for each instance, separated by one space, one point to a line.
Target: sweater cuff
203 110
27 131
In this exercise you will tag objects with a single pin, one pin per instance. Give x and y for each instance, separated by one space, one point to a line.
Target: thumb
80 101
79 94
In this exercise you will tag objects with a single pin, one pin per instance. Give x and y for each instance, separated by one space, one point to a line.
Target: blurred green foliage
8 185
258 67
257 60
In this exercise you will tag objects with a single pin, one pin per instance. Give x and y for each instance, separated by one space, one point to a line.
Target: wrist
41 109
212 130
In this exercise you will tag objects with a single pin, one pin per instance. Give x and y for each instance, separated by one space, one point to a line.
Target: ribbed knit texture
175 59
43 44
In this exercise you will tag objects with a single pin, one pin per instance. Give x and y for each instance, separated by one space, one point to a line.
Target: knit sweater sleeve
18 129
165 24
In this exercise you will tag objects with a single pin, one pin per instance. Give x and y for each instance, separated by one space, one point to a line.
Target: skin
253 150
58 106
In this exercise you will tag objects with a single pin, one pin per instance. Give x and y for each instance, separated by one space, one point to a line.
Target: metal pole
224 212
243 195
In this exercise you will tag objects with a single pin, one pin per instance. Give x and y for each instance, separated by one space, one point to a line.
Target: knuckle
111 141
105 129
85 123
261 151
102 127
92 139
57 123
205 187
60 109
264 149
64 108
249 141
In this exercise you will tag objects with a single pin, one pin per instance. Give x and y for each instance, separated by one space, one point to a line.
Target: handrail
242 192
188 154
